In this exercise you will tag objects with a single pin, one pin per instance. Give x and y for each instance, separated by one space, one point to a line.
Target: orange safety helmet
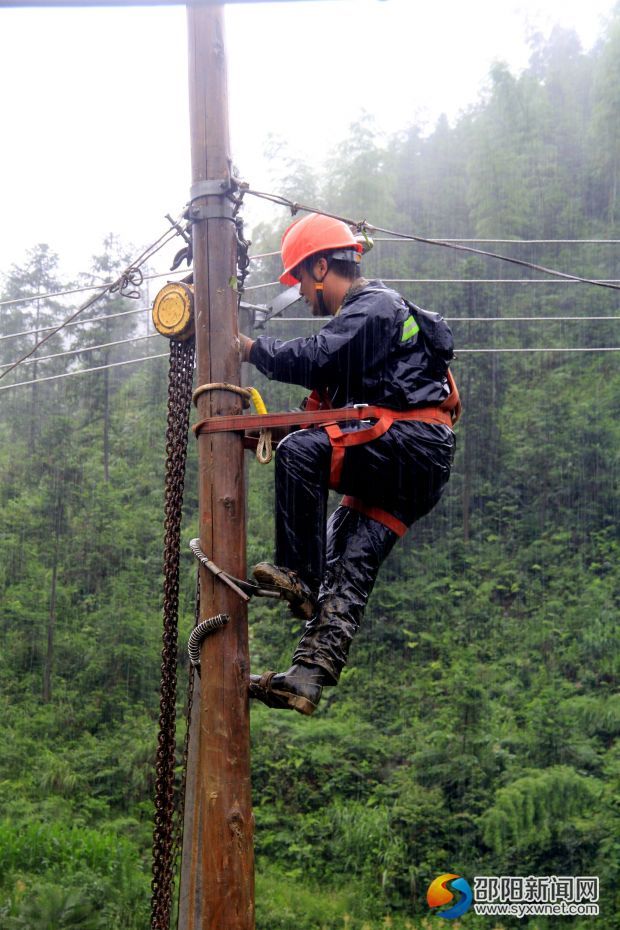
311 234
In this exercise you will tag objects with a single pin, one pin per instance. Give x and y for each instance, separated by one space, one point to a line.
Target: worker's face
307 285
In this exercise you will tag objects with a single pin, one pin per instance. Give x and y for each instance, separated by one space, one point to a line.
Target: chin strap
320 298
319 288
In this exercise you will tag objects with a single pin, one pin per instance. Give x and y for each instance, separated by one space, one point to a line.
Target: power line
130 277
83 371
466 319
498 241
163 274
256 287
603 281
466 351
94 319
83 351
612 282
504 241
473 319
550 349
302 319
112 316
371 228
79 290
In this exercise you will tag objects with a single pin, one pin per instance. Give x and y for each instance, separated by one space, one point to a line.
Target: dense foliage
474 729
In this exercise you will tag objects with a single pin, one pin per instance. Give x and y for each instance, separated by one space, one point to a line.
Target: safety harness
318 412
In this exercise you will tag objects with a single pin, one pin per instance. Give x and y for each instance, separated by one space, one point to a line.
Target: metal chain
243 244
189 703
165 837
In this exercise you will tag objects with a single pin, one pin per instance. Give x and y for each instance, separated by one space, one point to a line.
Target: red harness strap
446 413
375 513
340 440
316 414
318 400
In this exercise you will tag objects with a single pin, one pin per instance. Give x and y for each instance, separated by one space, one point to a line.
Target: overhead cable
112 316
254 258
147 358
508 241
614 281
466 319
83 371
93 319
550 349
371 228
257 287
35 298
611 282
84 349
164 274
321 320
126 279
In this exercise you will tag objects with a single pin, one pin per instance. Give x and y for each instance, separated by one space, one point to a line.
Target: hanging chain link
189 703
243 244
166 838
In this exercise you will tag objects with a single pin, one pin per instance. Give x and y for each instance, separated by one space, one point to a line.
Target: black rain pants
402 472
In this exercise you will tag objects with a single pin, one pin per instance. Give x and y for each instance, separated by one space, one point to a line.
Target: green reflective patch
410 328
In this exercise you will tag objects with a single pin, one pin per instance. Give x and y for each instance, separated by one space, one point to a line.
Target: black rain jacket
379 349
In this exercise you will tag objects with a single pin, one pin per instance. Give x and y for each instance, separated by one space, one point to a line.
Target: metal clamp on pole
210 209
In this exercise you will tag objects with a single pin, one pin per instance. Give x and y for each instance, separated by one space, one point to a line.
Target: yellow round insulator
173 311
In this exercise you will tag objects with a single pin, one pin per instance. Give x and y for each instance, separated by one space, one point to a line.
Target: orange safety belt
318 413
447 413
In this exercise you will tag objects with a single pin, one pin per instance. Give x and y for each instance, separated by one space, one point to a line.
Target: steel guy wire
127 277
295 207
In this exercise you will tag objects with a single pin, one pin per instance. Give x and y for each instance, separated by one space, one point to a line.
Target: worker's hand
245 346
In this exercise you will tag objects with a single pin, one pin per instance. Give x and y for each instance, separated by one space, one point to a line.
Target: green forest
474 730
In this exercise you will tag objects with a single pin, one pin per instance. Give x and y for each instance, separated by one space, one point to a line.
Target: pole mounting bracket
209 188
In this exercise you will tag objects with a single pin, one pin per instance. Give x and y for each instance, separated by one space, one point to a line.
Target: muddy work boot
299 596
297 689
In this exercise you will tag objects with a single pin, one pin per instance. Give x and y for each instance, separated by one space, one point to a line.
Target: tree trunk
106 419
51 629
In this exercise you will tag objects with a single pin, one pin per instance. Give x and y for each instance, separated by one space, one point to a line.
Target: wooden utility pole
217 879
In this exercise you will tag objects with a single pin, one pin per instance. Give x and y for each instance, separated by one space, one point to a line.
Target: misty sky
94 101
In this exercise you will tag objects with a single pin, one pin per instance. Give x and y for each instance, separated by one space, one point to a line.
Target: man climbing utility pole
217 881
383 356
